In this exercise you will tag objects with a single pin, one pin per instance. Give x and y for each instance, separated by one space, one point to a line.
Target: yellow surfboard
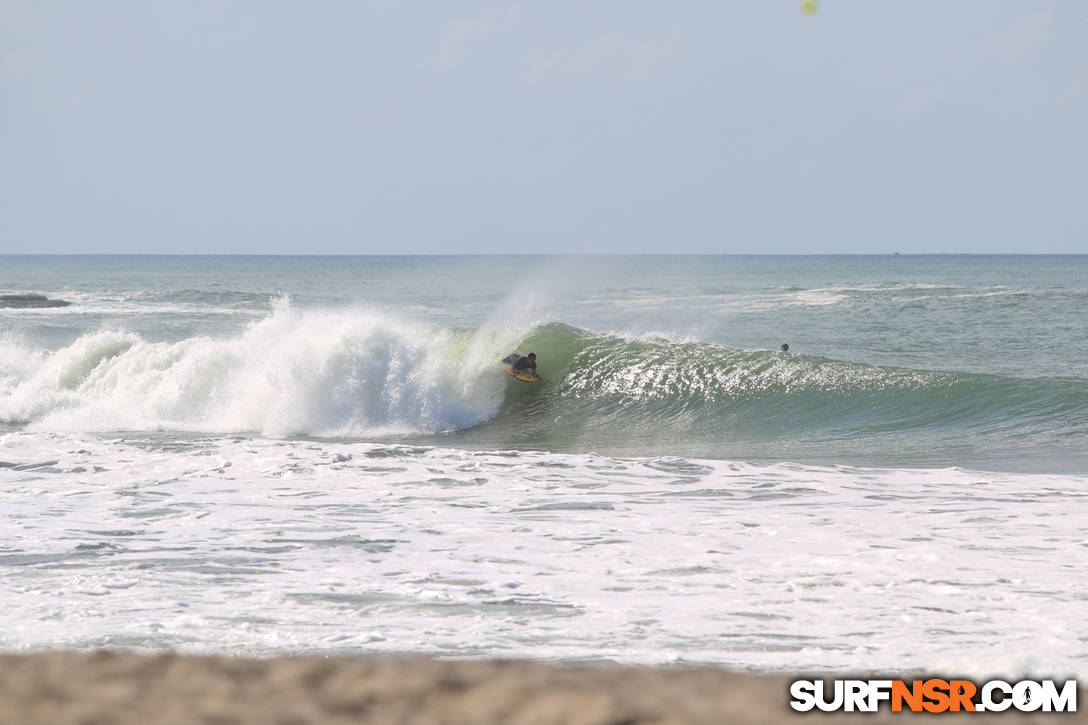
526 376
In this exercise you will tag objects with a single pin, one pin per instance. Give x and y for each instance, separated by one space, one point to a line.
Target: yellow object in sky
809 6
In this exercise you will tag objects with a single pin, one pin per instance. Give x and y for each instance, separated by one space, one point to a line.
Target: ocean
271 455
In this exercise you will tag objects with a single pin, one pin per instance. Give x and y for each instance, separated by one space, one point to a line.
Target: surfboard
525 376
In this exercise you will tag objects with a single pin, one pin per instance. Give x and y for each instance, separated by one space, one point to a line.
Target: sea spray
319 372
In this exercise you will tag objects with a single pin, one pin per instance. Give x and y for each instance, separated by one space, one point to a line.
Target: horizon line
539 254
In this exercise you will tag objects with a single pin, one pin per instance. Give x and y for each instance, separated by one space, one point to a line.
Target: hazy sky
349 127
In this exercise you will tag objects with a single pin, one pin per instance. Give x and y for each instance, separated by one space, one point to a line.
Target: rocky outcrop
30 301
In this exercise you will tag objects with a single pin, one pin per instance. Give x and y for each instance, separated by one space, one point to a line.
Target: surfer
522 363
784 347
521 368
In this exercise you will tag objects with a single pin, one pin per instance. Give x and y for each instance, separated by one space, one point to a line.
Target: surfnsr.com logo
933 695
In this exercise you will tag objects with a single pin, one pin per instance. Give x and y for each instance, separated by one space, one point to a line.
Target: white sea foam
325 372
243 546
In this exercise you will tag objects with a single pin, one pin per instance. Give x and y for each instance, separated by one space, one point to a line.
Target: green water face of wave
653 396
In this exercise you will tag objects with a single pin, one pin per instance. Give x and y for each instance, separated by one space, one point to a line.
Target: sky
617 126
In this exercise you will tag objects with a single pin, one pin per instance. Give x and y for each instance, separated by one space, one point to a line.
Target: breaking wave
366 373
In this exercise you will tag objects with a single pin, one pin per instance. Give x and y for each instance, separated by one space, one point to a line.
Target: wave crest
315 372
363 373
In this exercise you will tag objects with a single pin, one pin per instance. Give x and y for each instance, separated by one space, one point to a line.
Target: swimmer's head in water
784 347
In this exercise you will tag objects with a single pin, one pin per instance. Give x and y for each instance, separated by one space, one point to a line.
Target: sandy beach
100 688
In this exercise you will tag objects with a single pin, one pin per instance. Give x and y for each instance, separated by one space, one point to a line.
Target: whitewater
322 455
